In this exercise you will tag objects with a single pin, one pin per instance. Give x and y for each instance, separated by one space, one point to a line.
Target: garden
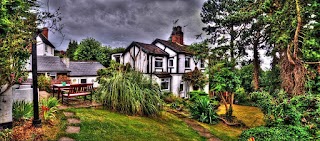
246 101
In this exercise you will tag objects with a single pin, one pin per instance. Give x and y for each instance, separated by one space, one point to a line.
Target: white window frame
158 60
165 80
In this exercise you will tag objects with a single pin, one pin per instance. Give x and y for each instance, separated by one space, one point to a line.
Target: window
165 84
117 58
158 63
45 48
170 62
181 87
187 62
201 63
74 81
83 81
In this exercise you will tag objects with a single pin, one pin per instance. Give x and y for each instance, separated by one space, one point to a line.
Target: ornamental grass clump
129 93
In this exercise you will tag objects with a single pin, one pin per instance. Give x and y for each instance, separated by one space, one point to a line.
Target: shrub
6 135
49 108
202 110
22 110
44 83
130 93
194 95
283 133
168 97
241 96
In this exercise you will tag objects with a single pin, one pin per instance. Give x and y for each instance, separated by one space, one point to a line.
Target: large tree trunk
292 69
256 65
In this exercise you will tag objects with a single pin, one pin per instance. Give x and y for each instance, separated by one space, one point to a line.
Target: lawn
251 116
97 124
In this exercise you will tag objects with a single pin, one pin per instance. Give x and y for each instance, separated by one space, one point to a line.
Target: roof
162 74
45 40
84 68
148 48
174 46
50 64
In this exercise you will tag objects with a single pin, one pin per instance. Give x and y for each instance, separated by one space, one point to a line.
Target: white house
53 66
164 61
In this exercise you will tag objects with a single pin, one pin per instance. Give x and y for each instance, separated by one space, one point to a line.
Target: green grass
101 125
251 116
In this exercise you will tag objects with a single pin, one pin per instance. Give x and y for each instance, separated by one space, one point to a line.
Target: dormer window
158 62
187 62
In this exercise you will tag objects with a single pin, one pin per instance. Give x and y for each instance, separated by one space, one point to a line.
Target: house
84 72
164 61
54 66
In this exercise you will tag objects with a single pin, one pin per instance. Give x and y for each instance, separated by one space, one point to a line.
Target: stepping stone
73 121
66 139
61 107
73 129
68 114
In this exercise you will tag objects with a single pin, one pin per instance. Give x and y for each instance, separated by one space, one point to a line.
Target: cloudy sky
117 23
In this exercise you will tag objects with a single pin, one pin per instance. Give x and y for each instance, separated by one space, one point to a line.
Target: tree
90 49
224 30
201 51
18 25
72 47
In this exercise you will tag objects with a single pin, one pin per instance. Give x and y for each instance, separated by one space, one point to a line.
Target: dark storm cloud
119 22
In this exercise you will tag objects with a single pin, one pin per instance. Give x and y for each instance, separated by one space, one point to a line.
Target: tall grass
130 93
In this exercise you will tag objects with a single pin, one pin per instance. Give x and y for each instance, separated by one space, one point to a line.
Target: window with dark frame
181 87
117 58
170 63
201 63
158 62
45 48
165 83
187 62
83 81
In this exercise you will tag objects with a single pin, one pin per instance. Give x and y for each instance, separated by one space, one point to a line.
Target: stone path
71 129
195 126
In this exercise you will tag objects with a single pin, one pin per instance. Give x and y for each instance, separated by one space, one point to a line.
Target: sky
117 23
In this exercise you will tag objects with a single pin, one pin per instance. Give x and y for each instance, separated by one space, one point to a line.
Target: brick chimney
45 32
177 35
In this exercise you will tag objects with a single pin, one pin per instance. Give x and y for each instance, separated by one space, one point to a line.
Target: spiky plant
130 93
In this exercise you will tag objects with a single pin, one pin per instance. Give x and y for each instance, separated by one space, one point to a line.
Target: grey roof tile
50 64
85 68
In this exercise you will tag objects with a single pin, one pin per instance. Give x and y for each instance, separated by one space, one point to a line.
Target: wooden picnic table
60 87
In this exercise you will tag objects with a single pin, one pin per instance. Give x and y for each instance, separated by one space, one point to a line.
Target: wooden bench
76 90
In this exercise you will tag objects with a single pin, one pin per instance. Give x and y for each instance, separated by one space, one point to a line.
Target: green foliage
6 135
246 77
201 50
90 49
44 82
270 80
313 80
72 47
242 96
22 110
196 78
168 97
279 133
118 50
49 108
224 78
204 111
194 95
279 109
130 93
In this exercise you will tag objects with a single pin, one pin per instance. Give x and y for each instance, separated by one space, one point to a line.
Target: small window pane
187 63
171 62
158 62
83 80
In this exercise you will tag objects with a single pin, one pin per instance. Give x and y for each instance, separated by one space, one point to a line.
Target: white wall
41 48
90 79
